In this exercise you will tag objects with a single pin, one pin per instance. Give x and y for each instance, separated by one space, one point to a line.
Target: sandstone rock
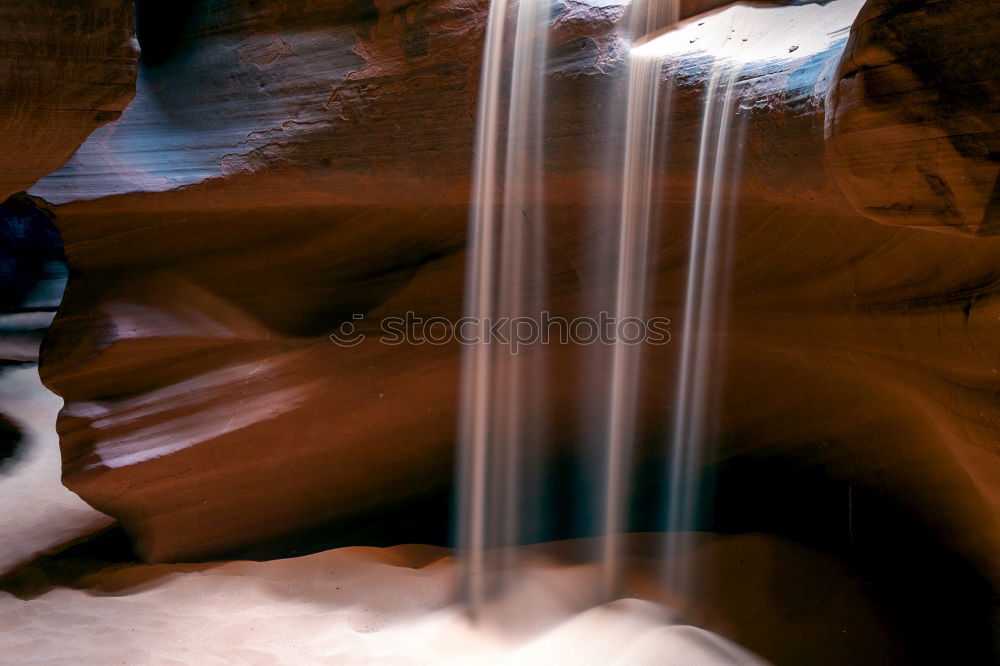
914 120
66 68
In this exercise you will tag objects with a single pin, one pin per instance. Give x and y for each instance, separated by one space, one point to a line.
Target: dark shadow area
423 520
33 276
932 598
11 443
67 565
160 28
28 242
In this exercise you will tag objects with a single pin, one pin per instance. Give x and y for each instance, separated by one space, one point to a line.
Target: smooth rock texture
66 68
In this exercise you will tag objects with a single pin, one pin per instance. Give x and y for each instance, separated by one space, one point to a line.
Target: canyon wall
285 167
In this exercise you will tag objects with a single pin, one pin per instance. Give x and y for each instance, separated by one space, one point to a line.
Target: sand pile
345 606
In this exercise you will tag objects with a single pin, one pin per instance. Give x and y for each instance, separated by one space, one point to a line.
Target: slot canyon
242 244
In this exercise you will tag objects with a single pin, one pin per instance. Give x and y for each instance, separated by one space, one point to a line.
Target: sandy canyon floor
60 604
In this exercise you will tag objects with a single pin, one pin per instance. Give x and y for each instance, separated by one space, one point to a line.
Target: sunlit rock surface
285 167
66 68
